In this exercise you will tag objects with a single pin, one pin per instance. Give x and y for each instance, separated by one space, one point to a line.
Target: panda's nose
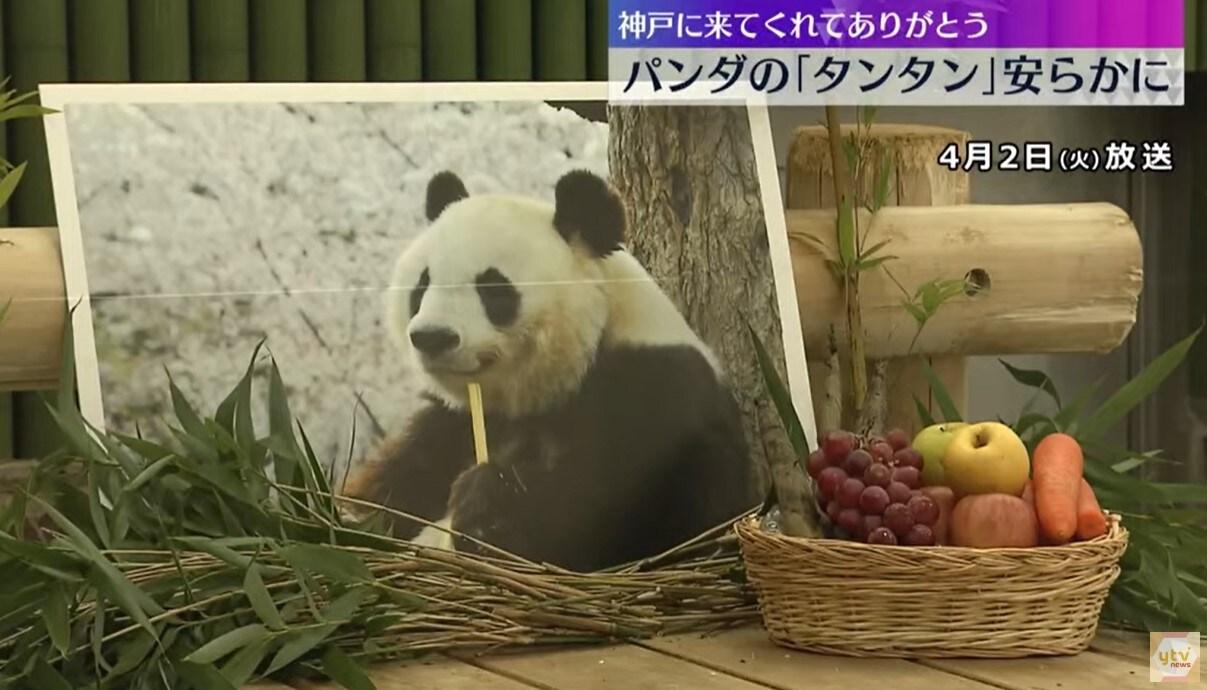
434 341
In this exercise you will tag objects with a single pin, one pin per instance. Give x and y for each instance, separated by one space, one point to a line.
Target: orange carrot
1056 468
1091 521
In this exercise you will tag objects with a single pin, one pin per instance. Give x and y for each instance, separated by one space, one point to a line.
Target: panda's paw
485 506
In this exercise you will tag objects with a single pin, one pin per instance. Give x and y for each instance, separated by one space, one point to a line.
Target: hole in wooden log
976 282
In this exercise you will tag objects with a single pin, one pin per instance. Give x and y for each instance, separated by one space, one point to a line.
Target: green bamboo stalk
278 40
395 40
6 399
221 51
99 40
3 155
1196 101
1200 35
37 53
450 40
506 37
159 41
6 427
561 40
337 40
597 39
1194 34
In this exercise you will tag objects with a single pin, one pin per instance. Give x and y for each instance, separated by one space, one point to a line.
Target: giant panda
613 433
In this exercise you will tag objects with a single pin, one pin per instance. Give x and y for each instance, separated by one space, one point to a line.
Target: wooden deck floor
745 659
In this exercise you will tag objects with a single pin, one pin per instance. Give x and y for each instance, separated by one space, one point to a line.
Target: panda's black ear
590 210
443 189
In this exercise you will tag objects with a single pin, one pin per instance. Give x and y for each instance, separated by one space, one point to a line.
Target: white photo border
60 96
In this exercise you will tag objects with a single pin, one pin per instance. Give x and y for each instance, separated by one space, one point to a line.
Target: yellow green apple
986 458
932 442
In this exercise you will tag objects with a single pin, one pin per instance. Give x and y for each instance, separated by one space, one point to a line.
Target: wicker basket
848 598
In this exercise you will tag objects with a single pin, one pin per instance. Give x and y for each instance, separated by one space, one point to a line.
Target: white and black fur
612 432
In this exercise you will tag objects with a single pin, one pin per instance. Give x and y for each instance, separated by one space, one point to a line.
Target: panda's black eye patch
418 291
499 297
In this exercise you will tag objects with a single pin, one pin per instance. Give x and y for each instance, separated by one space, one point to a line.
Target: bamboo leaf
132 599
261 599
242 665
817 244
148 473
1128 465
203 676
338 612
1135 391
1182 493
227 643
1029 422
942 396
851 150
846 234
45 677
1067 418
341 566
871 251
56 613
883 177
130 654
1034 379
100 523
915 311
57 564
24 111
780 396
8 185
340 668
924 416
873 263
280 427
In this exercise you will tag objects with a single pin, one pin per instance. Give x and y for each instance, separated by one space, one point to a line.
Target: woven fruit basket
848 598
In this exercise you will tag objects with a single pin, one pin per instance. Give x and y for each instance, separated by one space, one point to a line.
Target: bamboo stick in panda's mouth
479 422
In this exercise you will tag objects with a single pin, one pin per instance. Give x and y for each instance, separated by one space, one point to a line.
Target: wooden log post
1045 294
31 283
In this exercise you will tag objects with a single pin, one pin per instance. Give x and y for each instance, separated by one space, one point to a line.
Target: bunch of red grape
869 488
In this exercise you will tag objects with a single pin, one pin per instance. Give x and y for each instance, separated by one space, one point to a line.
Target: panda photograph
511 324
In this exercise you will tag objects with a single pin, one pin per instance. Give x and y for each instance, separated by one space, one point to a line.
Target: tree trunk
695 212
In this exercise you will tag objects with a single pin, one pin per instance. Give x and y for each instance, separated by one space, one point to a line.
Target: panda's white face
493 293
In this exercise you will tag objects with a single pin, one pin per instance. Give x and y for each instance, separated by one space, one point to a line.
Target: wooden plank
438 673
748 653
1131 645
1086 670
623 666
278 40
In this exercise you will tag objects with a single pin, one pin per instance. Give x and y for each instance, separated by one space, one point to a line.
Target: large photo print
591 275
